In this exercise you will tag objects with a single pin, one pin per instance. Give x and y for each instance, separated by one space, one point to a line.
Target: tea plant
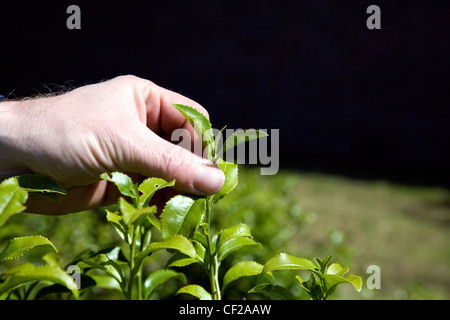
135 222
21 281
183 229
322 282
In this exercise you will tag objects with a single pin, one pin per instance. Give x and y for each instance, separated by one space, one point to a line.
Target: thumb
152 156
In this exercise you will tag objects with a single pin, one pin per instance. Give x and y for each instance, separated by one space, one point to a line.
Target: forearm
11 125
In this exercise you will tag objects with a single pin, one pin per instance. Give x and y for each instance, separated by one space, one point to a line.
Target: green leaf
283 261
149 187
336 269
241 269
180 260
302 283
219 138
199 122
323 263
105 281
12 198
197 291
239 230
130 214
230 171
332 280
181 215
276 291
123 183
116 220
177 242
159 277
312 287
232 245
239 137
19 246
27 272
107 264
40 184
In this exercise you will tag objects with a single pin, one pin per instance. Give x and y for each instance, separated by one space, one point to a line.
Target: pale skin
123 124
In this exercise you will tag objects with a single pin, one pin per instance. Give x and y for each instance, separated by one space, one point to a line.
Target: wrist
11 124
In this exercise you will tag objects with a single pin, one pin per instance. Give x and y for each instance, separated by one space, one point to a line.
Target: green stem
129 292
213 267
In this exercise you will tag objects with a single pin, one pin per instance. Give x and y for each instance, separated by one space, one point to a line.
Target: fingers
159 103
150 155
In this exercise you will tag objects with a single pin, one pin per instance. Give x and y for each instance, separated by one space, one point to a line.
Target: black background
347 100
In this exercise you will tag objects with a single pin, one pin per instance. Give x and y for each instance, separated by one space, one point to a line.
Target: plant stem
213 267
129 292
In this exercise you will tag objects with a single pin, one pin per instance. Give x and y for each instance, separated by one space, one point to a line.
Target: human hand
119 125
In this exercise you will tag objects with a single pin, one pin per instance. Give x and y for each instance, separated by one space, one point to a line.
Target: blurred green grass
402 229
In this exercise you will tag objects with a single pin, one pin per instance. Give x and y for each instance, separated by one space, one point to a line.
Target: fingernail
208 179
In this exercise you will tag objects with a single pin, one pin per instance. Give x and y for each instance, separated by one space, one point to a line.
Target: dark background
347 100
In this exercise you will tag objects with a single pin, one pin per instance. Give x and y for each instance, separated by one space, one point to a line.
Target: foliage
184 230
13 194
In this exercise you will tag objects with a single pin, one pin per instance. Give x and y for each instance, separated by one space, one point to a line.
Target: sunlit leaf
284 261
27 272
332 280
239 137
149 187
12 199
230 171
232 245
123 183
17 247
181 215
239 230
199 122
177 242
196 291
241 269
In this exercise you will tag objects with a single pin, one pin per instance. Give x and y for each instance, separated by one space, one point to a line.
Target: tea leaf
332 280
239 137
116 220
149 187
336 269
197 291
323 263
199 122
159 277
239 230
302 283
241 269
12 198
24 273
123 183
283 261
106 260
177 242
232 245
230 171
180 260
181 215
40 184
19 246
